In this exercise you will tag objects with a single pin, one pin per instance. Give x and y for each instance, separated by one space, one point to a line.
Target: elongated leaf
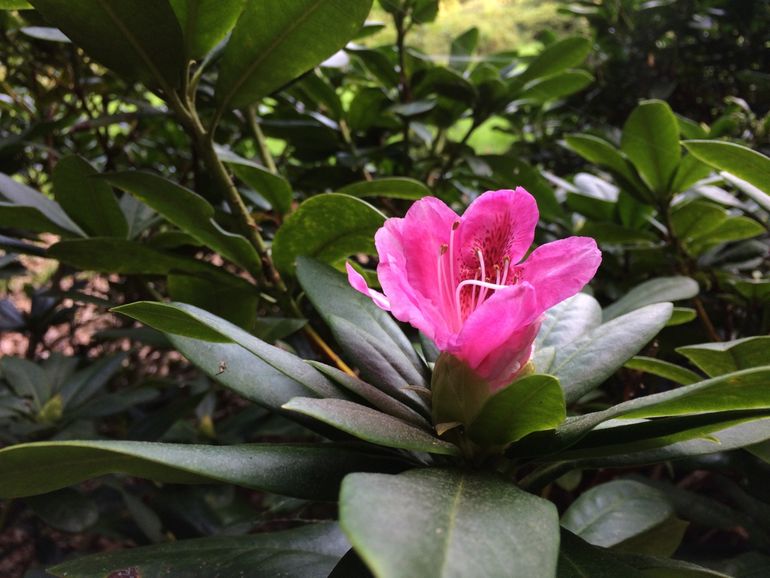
205 23
556 86
271 44
735 159
653 291
89 201
675 373
306 552
374 396
565 323
530 404
273 188
619 513
440 523
367 334
111 255
188 211
556 57
462 48
234 302
189 321
326 227
651 140
23 196
587 362
305 471
371 425
391 187
138 39
720 358
600 152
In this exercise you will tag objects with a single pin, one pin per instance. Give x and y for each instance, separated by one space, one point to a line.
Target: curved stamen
441 275
483 290
483 284
506 267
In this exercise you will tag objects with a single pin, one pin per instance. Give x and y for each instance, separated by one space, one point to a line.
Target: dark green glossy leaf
437 523
66 509
328 227
391 187
306 552
138 39
600 152
462 48
273 188
88 200
655 290
675 373
586 362
532 403
270 44
651 140
205 23
620 514
302 470
234 302
188 211
735 159
720 358
37 207
111 255
371 425
556 57
556 86
189 321
366 333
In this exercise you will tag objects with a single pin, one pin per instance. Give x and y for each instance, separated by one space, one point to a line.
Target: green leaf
271 44
190 212
301 470
88 200
234 302
720 358
681 315
366 333
754 193
370 425
390 187
600 152
542 90
735 159
462 48
137 39
655 290
328 227
15 5
532 403
309 551
205 23
733 228
663 369
36 207
557 57
274 188
189 321
111 255
617 514
689 172
66 509
585 363
436 523
651 140
565 323
374 396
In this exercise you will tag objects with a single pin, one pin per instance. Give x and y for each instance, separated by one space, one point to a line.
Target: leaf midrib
268 52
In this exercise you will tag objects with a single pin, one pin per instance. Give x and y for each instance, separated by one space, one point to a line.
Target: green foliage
209 185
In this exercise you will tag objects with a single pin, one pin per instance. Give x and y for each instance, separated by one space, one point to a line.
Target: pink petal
501 224
496 340
409 250
560 269
358 283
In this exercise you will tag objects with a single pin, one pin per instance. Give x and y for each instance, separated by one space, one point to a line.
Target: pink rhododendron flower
459 279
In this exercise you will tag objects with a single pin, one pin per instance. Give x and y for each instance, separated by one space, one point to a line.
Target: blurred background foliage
449 99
